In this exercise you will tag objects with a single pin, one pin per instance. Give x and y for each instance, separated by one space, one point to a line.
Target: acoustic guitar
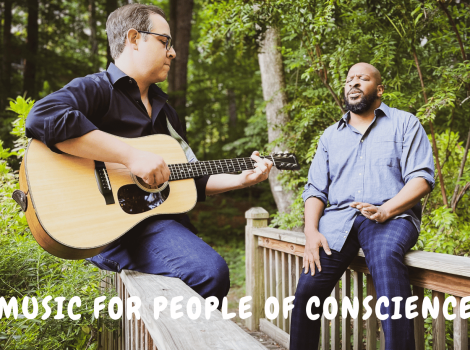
75 207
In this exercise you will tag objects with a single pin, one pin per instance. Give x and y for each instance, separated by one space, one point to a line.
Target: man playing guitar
124 101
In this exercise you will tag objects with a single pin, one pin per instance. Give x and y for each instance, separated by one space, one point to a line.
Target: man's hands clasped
372 212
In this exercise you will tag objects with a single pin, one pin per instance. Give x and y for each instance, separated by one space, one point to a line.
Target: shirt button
360 174
359 191
361 157
362 140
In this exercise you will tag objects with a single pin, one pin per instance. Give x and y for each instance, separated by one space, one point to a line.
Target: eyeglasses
168 43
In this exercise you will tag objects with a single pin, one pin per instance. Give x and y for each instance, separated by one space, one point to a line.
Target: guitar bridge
104 185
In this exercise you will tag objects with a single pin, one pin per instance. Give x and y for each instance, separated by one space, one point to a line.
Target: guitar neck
210 167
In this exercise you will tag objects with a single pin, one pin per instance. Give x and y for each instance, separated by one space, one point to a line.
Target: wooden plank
460 329
382 338
281 235
254 264
266 273
182 333
278 285
276 334
298 271
286 247
419 320
272 277
446 263
335 344
371 322
434 280
346 292
284 290
357 331
325 333
439 325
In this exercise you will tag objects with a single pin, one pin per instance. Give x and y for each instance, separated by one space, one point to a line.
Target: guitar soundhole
133 200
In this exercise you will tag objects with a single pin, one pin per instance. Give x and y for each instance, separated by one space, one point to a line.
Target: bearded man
372 167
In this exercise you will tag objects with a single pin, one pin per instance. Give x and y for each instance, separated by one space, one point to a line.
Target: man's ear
380 90
132 38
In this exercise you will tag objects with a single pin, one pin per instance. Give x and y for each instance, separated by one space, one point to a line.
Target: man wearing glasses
124 101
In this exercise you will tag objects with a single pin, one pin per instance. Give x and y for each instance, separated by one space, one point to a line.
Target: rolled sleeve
417 159
71 112
318 176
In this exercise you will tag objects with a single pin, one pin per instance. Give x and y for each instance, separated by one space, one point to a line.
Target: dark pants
166 247
384 246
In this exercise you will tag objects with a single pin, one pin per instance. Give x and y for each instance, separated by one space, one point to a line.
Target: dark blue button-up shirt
372 168
109 101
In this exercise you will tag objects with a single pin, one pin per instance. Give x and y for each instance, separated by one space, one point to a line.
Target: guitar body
68 214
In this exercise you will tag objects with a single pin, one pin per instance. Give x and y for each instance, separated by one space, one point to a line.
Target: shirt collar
382 108
115 74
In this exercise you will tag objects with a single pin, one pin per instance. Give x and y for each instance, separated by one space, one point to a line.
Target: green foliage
26 270
442 230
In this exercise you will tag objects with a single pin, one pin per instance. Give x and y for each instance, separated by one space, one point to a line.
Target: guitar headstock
284 160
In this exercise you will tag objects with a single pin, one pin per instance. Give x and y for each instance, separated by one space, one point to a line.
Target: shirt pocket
387 152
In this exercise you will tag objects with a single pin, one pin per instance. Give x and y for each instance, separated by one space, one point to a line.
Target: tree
29 82
7 50
272 77
180 25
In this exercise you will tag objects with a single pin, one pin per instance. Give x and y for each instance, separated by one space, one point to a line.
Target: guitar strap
187 150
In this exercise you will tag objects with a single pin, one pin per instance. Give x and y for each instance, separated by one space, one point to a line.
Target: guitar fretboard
211 167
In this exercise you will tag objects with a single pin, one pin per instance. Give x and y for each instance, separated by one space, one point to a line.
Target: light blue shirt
372 168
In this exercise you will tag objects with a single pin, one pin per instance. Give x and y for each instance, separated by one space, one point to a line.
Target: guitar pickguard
133 200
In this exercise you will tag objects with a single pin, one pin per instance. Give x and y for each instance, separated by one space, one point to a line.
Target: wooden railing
167 332
273 266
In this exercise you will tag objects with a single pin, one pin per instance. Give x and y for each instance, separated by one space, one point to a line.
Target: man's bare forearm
313 211
222 183
407 198
98 145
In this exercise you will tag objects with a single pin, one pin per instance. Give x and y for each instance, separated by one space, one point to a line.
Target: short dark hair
135 16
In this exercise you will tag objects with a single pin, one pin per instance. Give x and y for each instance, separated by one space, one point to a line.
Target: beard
361 106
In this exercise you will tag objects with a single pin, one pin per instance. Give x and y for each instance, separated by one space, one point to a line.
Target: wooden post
346 292
335 345
254 261
371 323
439 324
419 320
460 329
357 331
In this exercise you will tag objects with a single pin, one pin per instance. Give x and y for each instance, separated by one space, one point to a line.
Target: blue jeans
384 247
167 248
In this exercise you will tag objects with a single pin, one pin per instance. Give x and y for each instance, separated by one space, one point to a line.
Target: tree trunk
272 80
93 38
111 5
29 79
180 25
232 112
7 49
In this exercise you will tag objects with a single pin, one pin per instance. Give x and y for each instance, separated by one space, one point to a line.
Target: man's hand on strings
149 166
259 173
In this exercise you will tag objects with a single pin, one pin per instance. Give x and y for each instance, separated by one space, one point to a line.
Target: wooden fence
274 263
